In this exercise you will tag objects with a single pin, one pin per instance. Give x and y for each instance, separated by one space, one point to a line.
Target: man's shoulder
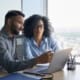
2 36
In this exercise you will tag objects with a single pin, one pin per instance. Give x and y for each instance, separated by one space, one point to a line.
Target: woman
38 40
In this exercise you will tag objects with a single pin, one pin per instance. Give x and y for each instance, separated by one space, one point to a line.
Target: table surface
68 74
60 75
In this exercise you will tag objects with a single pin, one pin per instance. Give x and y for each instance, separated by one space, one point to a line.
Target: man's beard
14 31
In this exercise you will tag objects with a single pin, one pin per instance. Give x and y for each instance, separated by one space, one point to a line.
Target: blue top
32 50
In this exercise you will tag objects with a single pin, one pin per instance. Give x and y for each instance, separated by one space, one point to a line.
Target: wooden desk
68 75
62 75
3 74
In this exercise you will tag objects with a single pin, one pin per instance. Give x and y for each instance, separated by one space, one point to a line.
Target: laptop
57 63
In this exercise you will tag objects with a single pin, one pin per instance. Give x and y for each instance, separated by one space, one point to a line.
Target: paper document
45 64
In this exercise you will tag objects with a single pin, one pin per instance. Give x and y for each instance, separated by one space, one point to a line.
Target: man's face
16 24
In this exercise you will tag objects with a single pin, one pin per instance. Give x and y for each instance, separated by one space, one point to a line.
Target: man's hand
45 57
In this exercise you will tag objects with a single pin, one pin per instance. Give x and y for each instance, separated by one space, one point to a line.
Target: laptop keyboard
43 71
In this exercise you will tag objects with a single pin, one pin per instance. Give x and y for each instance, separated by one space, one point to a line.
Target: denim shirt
32 50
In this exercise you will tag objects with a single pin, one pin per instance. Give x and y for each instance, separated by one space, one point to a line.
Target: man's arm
9 64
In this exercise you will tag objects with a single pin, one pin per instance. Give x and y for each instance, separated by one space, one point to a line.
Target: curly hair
32 21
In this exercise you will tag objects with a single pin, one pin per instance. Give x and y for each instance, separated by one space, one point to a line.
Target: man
14 21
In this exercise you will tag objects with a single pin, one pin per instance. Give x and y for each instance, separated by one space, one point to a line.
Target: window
65 18
31 7
6 5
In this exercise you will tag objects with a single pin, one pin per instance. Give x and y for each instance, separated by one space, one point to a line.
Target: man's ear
9 22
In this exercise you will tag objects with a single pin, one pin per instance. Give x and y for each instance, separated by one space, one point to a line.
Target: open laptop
57 63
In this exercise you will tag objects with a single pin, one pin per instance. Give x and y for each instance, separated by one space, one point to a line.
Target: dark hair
13 13
32 21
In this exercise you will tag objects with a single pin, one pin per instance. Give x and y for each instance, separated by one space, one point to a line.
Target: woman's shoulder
50 38
27 40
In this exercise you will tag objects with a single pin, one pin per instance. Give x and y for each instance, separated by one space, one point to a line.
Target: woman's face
39 29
